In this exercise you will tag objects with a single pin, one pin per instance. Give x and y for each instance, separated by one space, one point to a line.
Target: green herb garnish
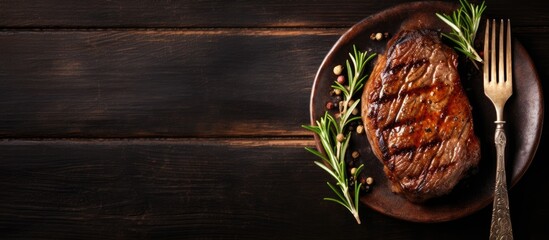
335 138
464 23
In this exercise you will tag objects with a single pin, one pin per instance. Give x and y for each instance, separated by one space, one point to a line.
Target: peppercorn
355 154
353 171
369 180
340 137
329 105
338 69
359 129
350 102
341 79
379 36
351 164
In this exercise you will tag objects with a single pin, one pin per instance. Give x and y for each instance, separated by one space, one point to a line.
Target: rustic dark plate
523 112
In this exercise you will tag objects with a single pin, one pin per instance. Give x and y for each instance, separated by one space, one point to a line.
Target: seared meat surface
417 117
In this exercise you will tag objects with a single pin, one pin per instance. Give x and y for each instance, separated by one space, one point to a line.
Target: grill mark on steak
433 170
389 99
418 120
406 66
383 146
415 91
401 123
397 151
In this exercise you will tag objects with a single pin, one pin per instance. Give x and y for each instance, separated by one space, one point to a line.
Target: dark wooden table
181 120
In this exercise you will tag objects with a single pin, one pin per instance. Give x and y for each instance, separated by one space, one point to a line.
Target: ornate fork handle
501 220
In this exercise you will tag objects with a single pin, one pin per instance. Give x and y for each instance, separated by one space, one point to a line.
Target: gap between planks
260 31
249 142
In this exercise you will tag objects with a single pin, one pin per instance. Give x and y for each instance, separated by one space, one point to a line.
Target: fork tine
501 55
509 59
499 91
493 54
486 53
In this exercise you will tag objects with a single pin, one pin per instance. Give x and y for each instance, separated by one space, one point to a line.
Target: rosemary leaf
464 23
328 128
317 153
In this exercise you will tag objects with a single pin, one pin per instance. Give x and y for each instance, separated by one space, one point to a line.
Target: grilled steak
417 117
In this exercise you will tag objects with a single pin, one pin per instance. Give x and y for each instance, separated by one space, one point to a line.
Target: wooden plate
523 112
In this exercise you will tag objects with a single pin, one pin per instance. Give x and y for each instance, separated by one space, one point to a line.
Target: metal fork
498 87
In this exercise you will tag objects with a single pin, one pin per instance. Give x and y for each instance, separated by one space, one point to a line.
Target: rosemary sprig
335 141
464 23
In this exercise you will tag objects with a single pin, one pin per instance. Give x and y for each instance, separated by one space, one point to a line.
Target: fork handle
501 227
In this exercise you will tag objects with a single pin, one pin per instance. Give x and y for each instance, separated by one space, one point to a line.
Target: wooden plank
170 83
221 13
158 83
204 189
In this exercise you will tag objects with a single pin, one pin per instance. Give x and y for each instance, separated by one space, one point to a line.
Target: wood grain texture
191 83
220 13
198 189
181 120
158 83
